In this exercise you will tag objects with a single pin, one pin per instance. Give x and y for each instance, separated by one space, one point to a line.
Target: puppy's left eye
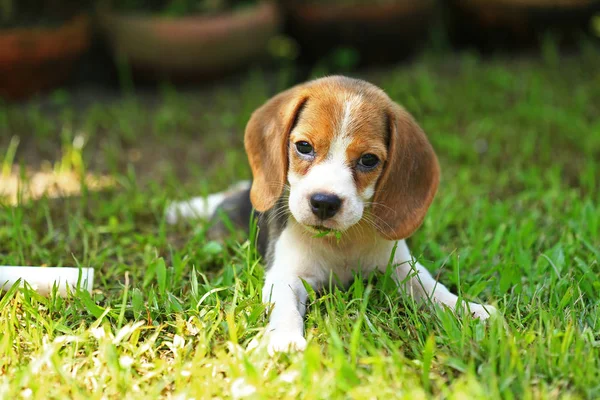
368 161
304 148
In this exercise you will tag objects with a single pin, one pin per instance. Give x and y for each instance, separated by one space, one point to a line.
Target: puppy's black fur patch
237 208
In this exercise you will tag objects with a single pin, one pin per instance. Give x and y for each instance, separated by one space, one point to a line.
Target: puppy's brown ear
409 180
266 142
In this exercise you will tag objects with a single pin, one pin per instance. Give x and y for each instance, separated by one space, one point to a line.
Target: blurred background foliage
27 13
48 44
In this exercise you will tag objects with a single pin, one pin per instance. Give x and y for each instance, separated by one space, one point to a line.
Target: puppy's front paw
283 342
482 312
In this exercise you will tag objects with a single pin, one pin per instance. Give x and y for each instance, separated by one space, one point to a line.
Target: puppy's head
348 153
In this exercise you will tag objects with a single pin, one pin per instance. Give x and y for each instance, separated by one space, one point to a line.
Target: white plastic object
42 279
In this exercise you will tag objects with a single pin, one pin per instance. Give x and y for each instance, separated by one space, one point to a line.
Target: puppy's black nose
325 205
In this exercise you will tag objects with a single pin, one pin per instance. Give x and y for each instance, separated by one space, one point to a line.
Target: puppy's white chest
322 259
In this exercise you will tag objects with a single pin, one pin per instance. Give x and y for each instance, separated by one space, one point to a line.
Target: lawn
515 223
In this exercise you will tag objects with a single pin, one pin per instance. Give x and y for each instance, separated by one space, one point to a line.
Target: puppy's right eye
304 148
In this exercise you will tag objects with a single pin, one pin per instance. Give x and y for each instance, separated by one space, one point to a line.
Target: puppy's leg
287 295
202 207
285 292
422 286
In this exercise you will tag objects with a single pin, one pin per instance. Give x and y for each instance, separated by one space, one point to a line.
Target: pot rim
78 20
245 12
197 43
359 10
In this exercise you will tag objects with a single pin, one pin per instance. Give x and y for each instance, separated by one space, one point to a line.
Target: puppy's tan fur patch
356 120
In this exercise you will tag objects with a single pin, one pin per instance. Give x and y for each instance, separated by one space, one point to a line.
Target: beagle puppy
342 175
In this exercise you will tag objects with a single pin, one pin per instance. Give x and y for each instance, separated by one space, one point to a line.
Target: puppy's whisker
378 220
370 222
373 221
361 232
277 213
277 185
374 203
370 213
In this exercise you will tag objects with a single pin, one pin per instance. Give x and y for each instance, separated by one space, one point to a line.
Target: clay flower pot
381 32
492 23
193 46
40 58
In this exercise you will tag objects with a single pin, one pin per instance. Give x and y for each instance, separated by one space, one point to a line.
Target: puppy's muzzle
325 205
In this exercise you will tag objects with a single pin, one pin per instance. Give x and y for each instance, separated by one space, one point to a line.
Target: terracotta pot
492 23
380 32
191 46
37 59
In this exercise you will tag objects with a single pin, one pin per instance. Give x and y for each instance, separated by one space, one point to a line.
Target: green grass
515 223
